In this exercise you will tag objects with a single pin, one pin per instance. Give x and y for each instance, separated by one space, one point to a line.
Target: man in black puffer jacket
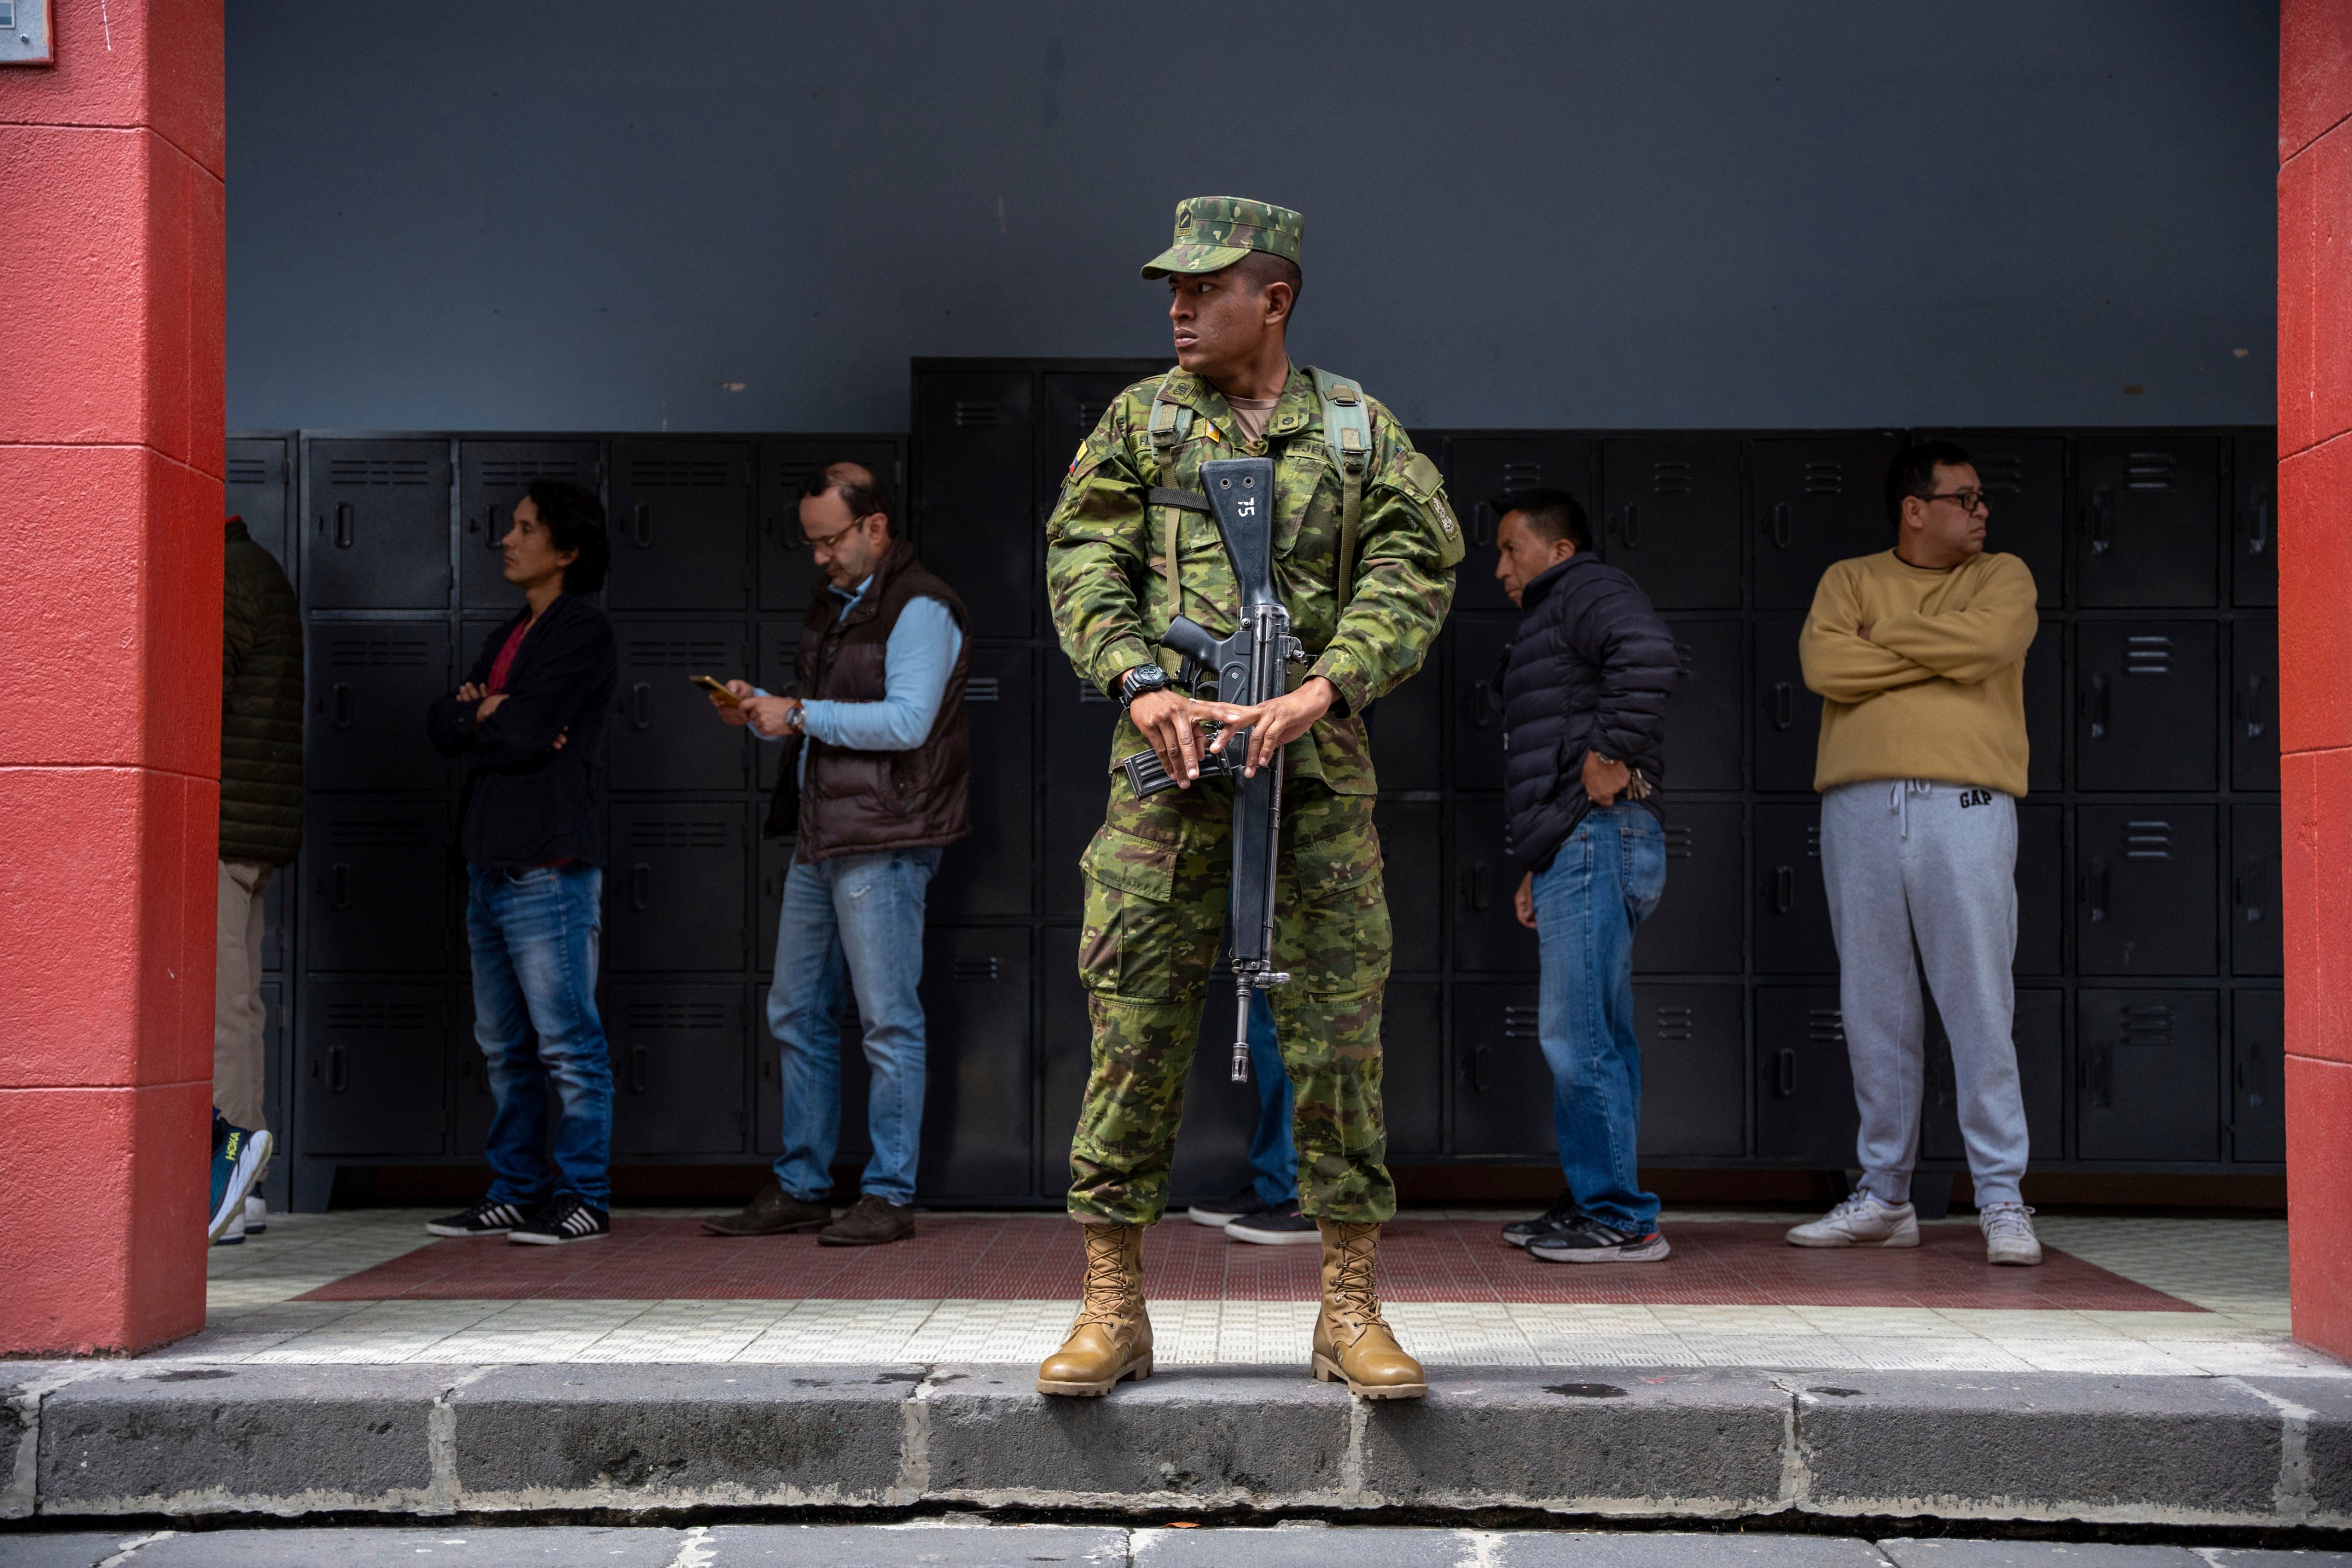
1584 689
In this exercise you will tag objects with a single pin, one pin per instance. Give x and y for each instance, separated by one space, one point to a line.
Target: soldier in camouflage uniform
1121 563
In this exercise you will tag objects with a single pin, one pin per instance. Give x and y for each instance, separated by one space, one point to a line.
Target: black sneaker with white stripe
1562 1213
485 1218
564 1220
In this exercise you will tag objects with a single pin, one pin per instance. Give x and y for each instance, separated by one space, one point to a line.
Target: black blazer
526 802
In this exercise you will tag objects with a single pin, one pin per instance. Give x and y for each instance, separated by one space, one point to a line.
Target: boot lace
1103 1298
1354 1298
2006 1222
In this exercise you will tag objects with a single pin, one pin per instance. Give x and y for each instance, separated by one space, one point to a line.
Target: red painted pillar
2315 416
111 462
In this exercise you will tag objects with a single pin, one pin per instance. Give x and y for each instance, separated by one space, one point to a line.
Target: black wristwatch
1143 677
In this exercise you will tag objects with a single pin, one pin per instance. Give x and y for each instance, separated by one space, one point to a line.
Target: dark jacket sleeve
545 695
448 722
1625 639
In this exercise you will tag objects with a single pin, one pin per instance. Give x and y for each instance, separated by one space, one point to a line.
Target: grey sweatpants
1909 856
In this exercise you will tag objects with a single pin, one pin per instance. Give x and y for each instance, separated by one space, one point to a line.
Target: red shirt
505 661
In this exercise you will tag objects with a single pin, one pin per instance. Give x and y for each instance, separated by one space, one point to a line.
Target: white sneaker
1860 1221
2008 1234
232 1234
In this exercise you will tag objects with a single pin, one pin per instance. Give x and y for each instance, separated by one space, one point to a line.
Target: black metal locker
1067 1038
1070 403
788 568
2038 1031
1792 904
1412 840
675 893
1480 467
1405 726
992 872
2145 694
2041 890
1412 1069
370 1076
663 734
2143 890
2253 705
278 1074
259 475
975 992
1693 1070
1804 1099
777 654
2255 943
2258 1075
1670 517
2148 506
2253 531
1788 715
2148 1080
1212 1142
379 534
1817 500
2024 480
1695 930
1079 720
854 1143
767 896
376 885
975 468
682 519
677 1068
2045 709
1487 934
491 477
1704 717
1479 645
274 923
370 683
1502 1085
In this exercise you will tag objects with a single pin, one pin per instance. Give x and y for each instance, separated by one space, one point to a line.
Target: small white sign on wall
27 38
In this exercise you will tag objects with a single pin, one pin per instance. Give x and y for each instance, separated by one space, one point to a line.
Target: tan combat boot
1112 1336
1351 1338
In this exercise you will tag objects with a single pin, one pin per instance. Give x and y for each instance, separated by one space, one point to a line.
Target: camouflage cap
1214 232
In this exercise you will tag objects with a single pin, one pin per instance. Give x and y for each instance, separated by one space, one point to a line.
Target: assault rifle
1248 668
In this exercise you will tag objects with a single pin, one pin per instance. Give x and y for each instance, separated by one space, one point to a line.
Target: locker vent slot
1089 692
1522 475
2147 656
1675 1024
378 471
379 836
1678 841
792 477
2147 841
375 1014
507 472
1683 657
977 416
1519 1024
974 969
247 470
678 653
1814 841
654 1013
1825 1026
2149 472
1825 478
980 689
1087 415
2148 1024
679 473
377 653
2001 473
1671 479
646 835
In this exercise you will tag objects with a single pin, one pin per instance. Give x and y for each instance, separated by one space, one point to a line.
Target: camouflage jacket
1105 557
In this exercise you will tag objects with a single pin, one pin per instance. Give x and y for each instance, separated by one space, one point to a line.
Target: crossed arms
1849 659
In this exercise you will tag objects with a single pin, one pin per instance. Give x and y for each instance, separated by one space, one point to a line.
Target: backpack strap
1348 434
1171 422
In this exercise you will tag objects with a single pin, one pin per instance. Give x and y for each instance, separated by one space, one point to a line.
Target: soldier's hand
1275 724
1170 722
1523 902
1604 780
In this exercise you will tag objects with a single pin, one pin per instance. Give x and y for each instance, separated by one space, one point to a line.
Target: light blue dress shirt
915 663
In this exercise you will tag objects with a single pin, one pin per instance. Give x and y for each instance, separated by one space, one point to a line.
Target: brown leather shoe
774 1212
869 1222
1112 1336
1352 1341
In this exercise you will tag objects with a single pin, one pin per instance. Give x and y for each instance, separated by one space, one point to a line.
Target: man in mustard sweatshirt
1919 655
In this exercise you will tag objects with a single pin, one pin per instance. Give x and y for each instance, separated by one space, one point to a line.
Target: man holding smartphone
875 781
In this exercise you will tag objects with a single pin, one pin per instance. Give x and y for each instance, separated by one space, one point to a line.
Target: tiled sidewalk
2226 1314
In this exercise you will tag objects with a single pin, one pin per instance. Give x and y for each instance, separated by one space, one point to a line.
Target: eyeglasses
1970 500
826 541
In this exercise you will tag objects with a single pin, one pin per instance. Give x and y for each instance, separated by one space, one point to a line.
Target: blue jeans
866 910
1274 1159
535 936
1603 882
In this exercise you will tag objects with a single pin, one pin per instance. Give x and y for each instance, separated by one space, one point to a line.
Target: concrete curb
142 1439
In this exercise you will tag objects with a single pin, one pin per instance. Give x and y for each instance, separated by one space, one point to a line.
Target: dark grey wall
488 214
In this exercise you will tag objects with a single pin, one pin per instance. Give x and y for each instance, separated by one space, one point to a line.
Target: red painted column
110 464
2315 416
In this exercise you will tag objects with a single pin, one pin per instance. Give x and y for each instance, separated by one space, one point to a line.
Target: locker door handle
2095 703
2098 1080
640 1062
2247 705
338 1073
2103 508
1483 523
491 535
1481 1060
641 886
339 885
1784 705
2094 891
641 526
1784 889
2260 541
1484 705
1629 526
1784 1073
641 706
1475 890
1784 525
342 705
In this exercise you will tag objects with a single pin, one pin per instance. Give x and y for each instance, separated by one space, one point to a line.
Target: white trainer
2008 1234
256 1215
1860 1221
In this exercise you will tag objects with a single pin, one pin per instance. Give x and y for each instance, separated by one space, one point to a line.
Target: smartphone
716 689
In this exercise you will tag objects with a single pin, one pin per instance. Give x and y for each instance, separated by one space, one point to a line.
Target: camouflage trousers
1157 879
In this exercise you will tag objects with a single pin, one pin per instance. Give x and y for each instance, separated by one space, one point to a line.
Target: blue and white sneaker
238 1156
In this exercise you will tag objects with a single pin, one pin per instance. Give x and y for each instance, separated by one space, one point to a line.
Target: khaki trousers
238 1068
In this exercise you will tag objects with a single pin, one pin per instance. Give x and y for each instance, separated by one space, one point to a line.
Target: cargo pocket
1335 940
1128 947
